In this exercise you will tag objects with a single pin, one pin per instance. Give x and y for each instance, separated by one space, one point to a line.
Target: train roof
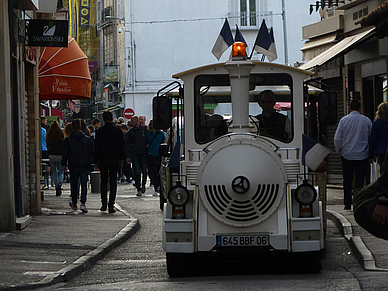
284 67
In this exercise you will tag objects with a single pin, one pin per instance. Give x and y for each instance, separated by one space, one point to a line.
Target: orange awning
64 73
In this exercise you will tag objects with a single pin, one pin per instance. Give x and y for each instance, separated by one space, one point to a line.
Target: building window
248 13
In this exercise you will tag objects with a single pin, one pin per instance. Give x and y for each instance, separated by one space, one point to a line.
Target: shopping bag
374 171
364 203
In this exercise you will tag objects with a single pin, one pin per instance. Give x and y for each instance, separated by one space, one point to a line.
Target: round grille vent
241 182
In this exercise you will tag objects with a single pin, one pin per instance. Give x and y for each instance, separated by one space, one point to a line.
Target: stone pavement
60 243
371 252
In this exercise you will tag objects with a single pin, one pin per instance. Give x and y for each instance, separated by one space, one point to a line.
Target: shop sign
84 13
47 32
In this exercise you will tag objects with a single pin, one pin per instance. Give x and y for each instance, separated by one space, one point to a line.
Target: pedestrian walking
94 126
154 139
136 152
126 167
68 129
110 153
77 154
379 134
43 132
351 141
54 140
142 120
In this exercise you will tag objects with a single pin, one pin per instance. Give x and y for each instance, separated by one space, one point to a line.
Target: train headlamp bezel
183 194
302 190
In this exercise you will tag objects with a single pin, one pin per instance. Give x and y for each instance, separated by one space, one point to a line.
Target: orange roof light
239 51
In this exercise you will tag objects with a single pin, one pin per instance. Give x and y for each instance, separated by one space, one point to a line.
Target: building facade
348 49
173 36
19 116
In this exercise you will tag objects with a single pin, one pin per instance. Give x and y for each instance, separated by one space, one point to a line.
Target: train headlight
305 194
239 51
178 195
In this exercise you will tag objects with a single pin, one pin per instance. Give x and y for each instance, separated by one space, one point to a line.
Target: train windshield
270 106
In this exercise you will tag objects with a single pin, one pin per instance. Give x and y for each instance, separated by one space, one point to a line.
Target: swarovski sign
47 32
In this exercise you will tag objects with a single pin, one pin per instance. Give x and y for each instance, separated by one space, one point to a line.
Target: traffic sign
128 113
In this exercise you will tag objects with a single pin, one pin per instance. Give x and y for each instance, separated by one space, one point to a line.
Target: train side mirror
328 108
162 112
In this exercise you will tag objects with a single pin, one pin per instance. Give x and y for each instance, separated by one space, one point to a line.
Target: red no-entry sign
128 113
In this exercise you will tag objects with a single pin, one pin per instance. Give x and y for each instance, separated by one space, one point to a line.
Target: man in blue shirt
351 141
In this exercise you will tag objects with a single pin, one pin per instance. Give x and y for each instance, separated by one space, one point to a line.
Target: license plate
242 240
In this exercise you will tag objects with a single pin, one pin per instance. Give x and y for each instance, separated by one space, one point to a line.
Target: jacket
55 149
136 141
77 150
378 138
109 144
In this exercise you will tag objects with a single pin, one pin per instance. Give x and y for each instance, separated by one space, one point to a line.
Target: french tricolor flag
224 40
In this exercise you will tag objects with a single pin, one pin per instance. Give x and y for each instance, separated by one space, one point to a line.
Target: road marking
116 262
43 262
37 273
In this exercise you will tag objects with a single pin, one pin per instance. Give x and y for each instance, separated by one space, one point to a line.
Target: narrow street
139 263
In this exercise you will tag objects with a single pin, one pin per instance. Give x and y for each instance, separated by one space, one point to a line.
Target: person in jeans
351 141
109 144
154 139
77 155
136 152
54 141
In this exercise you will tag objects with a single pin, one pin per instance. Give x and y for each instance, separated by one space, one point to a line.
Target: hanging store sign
47 32
84 13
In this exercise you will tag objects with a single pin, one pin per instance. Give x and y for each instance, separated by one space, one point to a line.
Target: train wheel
178 265
307 262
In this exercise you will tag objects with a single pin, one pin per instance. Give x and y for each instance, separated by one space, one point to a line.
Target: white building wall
168 37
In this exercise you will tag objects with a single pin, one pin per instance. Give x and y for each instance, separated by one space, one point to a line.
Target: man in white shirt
351 141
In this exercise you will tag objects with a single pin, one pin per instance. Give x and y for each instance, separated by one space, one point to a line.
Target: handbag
364 203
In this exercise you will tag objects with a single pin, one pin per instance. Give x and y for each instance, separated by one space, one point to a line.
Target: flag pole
250 56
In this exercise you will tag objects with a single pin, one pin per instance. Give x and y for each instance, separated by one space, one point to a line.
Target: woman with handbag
379 134
54 140
154 139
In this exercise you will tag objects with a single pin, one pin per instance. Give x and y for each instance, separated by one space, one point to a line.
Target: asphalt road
139 263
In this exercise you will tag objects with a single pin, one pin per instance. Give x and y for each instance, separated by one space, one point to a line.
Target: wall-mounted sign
111 74
47 32
93 65
84 13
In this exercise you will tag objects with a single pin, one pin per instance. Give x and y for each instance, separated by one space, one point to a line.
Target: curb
85 262
362 253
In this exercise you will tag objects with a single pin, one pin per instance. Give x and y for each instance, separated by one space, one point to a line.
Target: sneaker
155 193
72 206
139 193
83 208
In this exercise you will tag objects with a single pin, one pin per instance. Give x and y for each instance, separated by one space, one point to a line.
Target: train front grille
252 208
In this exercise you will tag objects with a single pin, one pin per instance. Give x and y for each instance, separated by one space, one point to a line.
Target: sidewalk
60 243
370 251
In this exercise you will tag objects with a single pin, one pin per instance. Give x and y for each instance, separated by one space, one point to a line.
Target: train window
271 110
